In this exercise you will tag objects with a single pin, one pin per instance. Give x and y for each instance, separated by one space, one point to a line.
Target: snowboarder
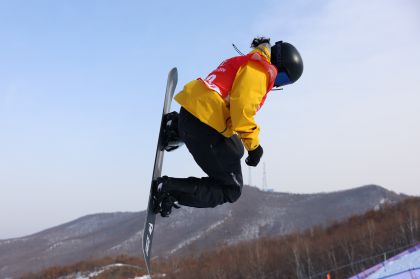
216 121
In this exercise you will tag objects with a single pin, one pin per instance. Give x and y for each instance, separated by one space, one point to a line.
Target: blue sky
82 84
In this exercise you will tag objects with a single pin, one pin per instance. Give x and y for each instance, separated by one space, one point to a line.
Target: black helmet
288 62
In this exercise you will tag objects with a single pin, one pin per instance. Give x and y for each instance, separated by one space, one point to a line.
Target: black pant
219 157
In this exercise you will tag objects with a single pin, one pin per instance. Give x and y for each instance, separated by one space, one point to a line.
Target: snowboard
149 226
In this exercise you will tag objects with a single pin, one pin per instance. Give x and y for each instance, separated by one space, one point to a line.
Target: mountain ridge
257 213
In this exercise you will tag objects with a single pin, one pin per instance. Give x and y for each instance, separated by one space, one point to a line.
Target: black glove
254 156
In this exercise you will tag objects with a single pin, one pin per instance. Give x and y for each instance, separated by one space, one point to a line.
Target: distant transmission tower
264 183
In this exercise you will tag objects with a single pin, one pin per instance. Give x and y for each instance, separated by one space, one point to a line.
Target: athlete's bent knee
232 193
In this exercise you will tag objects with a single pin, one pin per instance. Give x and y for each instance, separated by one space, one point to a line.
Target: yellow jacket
235 114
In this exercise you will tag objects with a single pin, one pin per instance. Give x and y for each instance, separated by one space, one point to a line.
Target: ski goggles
282 79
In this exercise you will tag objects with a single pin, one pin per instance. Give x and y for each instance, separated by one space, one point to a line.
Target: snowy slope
404 265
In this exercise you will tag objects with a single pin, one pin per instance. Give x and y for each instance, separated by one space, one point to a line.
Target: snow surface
404 265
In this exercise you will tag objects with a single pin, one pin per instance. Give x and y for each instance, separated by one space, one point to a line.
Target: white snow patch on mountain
199 235
381 203
251 231
92 274
136 238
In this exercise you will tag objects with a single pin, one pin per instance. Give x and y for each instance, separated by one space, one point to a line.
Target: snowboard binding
163 201
165 204
171 138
